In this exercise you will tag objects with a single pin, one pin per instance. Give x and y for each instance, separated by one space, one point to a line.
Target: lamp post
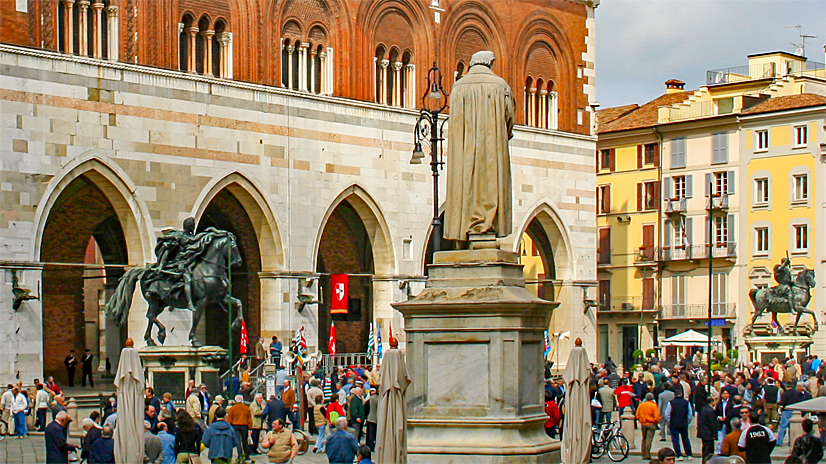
434 101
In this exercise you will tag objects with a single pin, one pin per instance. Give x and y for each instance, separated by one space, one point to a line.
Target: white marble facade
290 158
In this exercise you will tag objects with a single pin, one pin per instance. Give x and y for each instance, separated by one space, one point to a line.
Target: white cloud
643 43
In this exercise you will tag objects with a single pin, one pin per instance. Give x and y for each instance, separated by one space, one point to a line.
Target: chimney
674 85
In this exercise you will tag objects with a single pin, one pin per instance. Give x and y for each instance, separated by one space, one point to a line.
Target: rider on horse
782 293
173 266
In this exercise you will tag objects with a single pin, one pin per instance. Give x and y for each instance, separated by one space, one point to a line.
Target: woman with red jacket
554 417
333 405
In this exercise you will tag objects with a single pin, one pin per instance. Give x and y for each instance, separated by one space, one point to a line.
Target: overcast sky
643 43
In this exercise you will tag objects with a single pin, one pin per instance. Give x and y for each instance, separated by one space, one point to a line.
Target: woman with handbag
187 439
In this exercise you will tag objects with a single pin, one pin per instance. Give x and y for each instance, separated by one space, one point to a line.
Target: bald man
57 449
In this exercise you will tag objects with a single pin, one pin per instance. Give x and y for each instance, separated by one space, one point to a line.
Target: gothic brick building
288 122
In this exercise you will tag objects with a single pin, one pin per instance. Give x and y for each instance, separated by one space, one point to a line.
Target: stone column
411 85
305 68
290 50
328 70
475 312
532 108
68 27
383 87
112 33
208 35
83 28
322 63
313 55
552 110
543 109
97 31
223 68
397 84
192 55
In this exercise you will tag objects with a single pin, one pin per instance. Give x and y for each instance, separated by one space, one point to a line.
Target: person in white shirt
6 401
41 403
18 409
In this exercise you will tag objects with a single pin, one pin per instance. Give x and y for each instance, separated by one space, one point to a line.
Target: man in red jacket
554 416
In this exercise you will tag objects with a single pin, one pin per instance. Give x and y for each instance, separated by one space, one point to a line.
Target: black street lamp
434 101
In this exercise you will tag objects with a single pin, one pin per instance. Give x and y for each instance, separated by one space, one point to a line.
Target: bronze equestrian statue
192 272
788 296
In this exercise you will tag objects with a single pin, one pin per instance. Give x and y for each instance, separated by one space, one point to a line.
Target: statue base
169 368
766 348
475 340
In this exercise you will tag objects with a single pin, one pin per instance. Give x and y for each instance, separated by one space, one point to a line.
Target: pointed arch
546 215
118 188
374 220
250 193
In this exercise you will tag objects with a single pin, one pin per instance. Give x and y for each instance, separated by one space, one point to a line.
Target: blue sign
716 322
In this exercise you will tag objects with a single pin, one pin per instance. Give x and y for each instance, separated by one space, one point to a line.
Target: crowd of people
743 412
341 408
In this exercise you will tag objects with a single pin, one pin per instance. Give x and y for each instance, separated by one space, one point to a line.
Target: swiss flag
340 288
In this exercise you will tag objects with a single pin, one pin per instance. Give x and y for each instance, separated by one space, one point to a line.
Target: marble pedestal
475 358
766 348
169 368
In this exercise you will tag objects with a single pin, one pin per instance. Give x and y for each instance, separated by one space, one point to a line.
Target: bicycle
607 438
4 429
303 441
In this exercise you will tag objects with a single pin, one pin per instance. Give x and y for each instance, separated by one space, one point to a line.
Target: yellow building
700 216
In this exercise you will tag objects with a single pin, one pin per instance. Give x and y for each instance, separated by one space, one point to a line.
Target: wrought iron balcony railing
699 311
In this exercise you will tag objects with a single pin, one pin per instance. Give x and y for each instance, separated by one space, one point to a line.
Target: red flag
245 341
331 345
340 284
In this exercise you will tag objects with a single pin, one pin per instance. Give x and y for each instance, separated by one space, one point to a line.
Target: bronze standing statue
788 296
191 273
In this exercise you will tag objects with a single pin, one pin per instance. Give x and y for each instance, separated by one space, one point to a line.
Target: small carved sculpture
20 294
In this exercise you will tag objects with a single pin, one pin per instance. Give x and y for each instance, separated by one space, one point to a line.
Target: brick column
192 49
208 35
68 27
112 33
83 29
97 31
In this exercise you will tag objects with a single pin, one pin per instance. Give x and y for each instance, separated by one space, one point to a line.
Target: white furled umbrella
576 430
817 405
129 430
391 439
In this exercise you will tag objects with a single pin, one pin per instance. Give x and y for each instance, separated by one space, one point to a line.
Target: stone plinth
765 348
169 368
474 355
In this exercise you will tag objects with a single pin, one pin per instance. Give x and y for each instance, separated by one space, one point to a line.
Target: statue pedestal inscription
474 354
169 368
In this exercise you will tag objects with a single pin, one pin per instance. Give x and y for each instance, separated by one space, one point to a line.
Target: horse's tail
118 306
753 296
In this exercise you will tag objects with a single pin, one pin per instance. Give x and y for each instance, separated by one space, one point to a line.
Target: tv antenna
800 48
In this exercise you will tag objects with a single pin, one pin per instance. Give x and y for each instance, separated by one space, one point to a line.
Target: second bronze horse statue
789 296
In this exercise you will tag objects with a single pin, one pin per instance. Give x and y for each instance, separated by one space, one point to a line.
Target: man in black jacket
707 427
275 409
57 449
808 447
757 441
722 409
93 432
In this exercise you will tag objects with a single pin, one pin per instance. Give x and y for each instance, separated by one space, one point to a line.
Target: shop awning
688 338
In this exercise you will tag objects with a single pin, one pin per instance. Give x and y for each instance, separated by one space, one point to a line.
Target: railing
741 73
717 202
645 254
699 311
675 206
604 257
692 110
627 303
726 250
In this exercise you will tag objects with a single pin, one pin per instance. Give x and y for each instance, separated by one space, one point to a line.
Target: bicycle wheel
303 441
4 429
597 450
618 448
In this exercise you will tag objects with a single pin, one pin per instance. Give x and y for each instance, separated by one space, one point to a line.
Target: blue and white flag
371 342
547 344
378 340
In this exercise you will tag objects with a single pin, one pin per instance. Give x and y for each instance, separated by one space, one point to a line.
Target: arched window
203 45
85 28
460 71
541 99
186 43
394 77
392 87
530 91
381 74
222 51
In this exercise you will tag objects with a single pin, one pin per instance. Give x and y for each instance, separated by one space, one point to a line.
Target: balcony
699 311
723 250
603 257
763 71
627 304
675 206
717 202
645 255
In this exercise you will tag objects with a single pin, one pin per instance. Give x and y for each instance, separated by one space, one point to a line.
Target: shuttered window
719 148
678 152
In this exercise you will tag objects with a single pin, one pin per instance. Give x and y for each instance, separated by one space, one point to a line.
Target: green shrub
637 354
719 356
650 352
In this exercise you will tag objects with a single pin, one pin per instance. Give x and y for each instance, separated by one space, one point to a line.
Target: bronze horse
801 294
217 251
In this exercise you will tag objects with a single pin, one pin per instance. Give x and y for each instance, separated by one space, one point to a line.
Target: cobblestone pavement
32 450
